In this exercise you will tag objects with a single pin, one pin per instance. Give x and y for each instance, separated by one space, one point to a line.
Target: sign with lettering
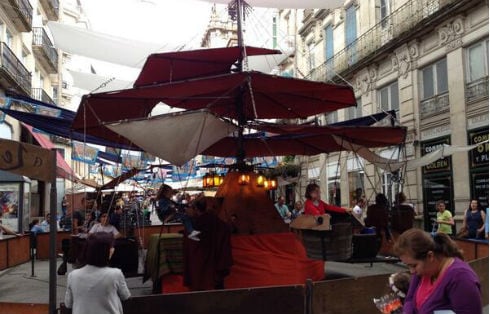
27 160
479 188
441 165
479 155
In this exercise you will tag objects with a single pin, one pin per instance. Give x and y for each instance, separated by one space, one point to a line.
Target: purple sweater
459 291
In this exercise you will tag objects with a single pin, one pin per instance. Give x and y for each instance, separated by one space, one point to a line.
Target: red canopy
262 96
321 140
182 65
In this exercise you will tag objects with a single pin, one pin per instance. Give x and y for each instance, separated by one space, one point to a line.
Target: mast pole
239 102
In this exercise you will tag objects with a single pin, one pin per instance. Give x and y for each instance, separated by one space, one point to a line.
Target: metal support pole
52 240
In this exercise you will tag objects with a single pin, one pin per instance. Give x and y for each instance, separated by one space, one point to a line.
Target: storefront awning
63 170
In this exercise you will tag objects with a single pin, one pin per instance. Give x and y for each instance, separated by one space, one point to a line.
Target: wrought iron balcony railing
477 90
43 49
13 72
40 94
434 105
400 23
20 12
51 7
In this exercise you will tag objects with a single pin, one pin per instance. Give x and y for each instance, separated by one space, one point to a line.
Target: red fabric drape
264 260
270 260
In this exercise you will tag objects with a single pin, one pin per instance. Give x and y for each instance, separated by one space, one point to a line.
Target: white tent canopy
89 82
176 137
290 4
105 47
392 165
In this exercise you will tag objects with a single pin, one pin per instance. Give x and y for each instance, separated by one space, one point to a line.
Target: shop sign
27 160
479 184
441 165
479 155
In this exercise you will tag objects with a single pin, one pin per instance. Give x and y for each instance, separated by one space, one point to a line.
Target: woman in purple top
441 280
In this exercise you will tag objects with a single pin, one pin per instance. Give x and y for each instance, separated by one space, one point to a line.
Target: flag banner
27 160
130 162
84 153
47 111
147 157
186 171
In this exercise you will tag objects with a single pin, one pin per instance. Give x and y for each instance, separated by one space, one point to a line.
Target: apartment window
351 34
384 9
311 56
388 98
477 61
434 79
328 42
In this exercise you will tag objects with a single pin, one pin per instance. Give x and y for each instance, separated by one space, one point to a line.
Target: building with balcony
29 66
425 59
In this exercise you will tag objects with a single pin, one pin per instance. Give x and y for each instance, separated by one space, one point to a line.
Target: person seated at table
46 222
315 206
297 210
105 226
283 209
35 227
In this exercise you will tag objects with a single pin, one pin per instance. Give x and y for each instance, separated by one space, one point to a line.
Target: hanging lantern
205 181
243 179
273 184
221 179
267 184
210 180
216 180
260 180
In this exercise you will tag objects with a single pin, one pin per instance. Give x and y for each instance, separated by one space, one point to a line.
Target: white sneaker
193 235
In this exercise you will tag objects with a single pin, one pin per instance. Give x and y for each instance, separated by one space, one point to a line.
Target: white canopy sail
290 4
392 165
176 137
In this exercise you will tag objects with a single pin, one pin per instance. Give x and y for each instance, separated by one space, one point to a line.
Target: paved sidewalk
17 285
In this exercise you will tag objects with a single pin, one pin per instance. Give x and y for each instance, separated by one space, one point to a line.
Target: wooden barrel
331 245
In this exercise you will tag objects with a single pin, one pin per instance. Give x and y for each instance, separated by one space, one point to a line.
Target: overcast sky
160 21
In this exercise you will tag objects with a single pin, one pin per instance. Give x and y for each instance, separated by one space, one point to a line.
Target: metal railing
40 38
14 67
52 8
400 22
40 94
477 90
434 105
24 8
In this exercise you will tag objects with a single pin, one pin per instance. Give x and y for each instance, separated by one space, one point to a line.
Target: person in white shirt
97 288
105 226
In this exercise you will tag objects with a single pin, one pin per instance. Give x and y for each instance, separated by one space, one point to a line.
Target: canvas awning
393 165
290 4
104 47
176 137
176 66
262 96
63 170
321 140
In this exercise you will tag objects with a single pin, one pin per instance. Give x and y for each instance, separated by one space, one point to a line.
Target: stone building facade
425 59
